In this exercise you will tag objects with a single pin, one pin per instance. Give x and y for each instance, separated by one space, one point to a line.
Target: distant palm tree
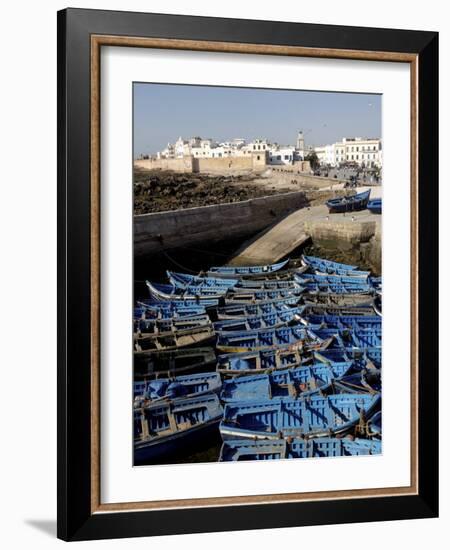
313 159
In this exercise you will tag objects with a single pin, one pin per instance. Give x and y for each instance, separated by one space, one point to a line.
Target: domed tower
300 142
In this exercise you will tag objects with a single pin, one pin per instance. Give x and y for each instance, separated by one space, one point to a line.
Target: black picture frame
76 521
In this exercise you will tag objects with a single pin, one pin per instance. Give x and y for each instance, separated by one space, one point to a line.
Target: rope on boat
179 265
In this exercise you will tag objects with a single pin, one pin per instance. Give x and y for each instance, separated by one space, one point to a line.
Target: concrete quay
359 231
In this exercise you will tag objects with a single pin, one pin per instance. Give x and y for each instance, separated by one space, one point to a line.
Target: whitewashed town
362 152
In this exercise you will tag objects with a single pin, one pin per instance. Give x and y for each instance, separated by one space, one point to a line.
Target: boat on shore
162 429
239 450
352 203
314 416
375 206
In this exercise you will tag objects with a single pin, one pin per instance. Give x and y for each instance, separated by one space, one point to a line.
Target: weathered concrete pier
359 231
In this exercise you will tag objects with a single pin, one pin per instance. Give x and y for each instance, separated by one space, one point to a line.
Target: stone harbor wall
164 230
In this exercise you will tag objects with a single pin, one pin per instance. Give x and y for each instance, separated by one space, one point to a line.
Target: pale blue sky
163 112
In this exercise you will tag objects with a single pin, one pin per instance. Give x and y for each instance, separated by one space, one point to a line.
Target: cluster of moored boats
353 203
283 359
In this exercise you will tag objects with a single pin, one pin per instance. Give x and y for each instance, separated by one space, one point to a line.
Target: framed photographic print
248 258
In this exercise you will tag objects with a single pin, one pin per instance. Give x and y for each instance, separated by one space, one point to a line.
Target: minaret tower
300 142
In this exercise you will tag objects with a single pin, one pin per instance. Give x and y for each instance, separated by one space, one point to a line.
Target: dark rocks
161 191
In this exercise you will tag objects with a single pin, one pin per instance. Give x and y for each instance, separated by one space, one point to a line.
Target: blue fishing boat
186 282
241 449
328 267
188 292
232 342
281 275
375 206
266 320
349 204
332 279
361 356
257 308
314 416
188 385
158 326
320 287
376 283
154 364
167 293
340 300
286 284
344 321
240 270
166 310
260 361
342 338
183 280
162 429
291 382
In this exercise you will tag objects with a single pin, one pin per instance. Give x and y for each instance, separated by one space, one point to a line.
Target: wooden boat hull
176 444
174 340
172 427
232 342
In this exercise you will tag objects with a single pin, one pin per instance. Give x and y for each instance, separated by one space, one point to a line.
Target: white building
198 147
326 154
279 154
366 153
